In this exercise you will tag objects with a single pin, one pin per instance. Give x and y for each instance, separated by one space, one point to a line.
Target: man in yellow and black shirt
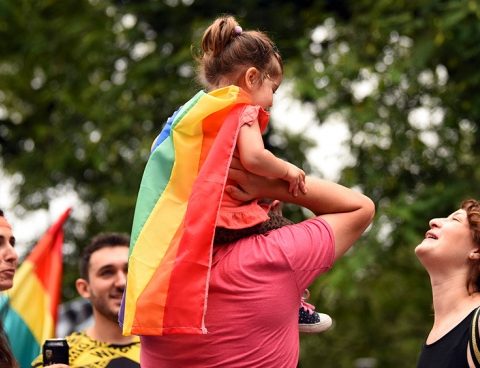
103 271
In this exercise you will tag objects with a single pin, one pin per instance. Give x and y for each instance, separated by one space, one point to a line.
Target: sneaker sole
324 324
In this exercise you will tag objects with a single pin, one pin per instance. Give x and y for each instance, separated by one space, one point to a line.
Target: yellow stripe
170 210
474 339
29 299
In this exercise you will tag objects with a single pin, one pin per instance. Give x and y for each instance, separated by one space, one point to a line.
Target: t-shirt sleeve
310 249
249 115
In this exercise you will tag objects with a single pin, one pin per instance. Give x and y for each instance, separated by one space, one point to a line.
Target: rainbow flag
176 213
29 309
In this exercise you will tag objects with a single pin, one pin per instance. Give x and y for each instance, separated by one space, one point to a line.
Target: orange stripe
154 296
212 124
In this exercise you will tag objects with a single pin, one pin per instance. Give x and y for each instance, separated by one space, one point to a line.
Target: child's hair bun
220 33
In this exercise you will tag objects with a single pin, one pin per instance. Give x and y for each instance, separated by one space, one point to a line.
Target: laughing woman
450 253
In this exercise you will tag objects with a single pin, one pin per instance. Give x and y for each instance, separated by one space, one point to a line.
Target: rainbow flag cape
29 309
176 213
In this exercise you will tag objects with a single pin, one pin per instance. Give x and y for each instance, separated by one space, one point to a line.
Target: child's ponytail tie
238 30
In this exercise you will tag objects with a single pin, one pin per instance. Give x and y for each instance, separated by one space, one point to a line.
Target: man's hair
101 241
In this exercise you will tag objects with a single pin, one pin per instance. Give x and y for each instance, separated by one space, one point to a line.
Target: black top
451 350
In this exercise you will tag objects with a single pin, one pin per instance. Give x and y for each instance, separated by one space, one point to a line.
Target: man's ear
474 254
251 78
83 288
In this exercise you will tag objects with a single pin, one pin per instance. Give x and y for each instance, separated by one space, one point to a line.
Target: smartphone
55 351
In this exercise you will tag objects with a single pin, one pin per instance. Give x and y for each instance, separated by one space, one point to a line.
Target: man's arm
348 212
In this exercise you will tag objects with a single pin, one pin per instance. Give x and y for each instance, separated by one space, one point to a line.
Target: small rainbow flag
29 309
176 213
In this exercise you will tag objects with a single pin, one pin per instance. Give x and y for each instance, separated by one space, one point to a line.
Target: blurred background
380 95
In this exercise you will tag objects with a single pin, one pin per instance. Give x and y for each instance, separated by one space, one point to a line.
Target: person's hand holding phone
55 353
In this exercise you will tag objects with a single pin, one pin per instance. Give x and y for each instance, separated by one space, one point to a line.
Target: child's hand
296 179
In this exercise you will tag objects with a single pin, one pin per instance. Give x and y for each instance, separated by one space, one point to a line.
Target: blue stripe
165 131
24 345
172 120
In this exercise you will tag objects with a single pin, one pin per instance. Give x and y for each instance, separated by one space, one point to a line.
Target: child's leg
310 321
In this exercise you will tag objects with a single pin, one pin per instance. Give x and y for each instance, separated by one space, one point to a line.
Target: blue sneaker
310 321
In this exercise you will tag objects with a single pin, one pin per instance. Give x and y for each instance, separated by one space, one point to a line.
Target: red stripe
46 257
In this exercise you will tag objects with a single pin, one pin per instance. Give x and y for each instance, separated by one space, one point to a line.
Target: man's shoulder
87 351
305 245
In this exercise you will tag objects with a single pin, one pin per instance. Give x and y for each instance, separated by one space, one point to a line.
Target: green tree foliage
414 136
85 86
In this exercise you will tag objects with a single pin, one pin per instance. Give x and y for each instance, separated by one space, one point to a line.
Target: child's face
263 90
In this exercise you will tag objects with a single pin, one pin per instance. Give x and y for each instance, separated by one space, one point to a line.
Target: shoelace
307 307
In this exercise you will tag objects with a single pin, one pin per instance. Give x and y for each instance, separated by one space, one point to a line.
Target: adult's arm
348 212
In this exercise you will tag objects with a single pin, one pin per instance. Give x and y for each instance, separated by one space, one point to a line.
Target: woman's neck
451 297
451 304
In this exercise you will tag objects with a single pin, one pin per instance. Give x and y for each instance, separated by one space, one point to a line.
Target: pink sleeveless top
236 214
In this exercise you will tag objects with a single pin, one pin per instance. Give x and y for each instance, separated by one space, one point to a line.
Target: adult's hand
249 185
348 212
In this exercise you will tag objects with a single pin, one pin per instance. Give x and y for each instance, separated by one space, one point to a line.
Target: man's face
107 277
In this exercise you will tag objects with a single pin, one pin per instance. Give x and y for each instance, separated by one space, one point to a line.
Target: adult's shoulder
307 244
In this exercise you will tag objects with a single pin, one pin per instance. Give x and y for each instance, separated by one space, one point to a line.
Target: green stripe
157 175
24 345
185 109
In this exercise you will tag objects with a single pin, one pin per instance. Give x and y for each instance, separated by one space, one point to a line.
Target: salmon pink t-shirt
235 214
252 313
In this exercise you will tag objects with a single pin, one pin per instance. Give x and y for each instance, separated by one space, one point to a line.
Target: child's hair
228 51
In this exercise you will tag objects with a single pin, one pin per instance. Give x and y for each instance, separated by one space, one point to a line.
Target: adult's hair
6 356
1 213
101 241
227 52
472 208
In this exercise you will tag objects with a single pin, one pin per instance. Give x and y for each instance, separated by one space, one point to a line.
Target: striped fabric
474 341
29 309
175 216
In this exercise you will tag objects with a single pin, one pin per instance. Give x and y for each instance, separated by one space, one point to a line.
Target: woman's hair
227 52
6 356
472 208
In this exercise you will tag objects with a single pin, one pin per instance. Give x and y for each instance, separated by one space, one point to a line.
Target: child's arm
347 211
260 161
